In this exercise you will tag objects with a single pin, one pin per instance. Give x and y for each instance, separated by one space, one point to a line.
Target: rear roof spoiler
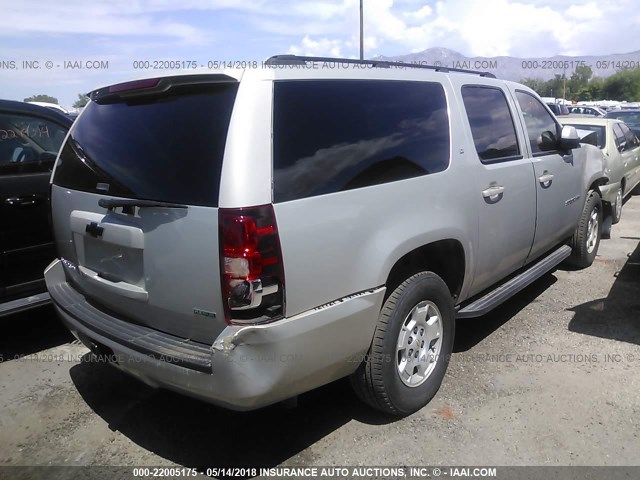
155 86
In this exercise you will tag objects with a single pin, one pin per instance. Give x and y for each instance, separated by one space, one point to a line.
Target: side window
621 141
630 137
494 134
28 144
336 135
542 129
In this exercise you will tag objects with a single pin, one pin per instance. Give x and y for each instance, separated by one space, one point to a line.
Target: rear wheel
616 208
411 347
586 240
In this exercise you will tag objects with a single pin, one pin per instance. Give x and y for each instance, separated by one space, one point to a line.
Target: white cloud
526 28
126 30
95 19
588 11
488 28
418 15
322 47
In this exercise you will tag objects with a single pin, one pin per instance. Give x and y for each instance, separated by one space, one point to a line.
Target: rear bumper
246 367
609 191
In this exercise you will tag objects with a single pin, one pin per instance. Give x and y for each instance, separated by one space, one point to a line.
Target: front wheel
411 347
586 239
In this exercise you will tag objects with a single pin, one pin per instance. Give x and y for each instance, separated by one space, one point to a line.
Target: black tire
616 213
377 381
582 255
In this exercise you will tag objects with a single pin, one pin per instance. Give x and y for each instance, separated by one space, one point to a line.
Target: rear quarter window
336 135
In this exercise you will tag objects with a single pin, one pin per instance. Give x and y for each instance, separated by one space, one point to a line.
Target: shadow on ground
471 331
617 316
195 434
32 331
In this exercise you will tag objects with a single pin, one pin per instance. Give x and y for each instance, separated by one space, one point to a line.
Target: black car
558 108
630 117
30 137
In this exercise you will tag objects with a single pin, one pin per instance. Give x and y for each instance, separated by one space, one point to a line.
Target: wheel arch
446 258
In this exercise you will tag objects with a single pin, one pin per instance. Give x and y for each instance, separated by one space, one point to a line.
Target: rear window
600 132
167 147
630 118
336 135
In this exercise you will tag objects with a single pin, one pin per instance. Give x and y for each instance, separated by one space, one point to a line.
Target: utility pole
361 31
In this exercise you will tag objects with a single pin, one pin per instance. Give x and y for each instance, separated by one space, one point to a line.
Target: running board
505 291
26 303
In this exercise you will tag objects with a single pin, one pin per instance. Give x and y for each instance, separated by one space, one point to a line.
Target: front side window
336 135
28 144
494 134
542 129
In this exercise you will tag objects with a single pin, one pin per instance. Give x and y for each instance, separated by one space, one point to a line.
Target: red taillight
251 266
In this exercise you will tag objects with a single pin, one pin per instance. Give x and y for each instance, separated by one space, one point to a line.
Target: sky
112 35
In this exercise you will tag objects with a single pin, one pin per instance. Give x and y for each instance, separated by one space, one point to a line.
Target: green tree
556 87
596 89
83 99
581 76
623 85
578 85
42 98
536 84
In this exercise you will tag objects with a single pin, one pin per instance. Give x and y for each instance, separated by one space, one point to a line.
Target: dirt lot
550 378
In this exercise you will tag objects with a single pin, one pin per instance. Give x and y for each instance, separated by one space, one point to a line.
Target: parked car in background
622 151
591 111
54 106
558 108
630 117
334 221
30 138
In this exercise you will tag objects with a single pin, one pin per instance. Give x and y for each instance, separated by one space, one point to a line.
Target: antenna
361 31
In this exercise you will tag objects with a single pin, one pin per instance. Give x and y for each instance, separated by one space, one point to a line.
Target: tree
593 91
581 76
535 84
42 98
83 99
578 85
623 85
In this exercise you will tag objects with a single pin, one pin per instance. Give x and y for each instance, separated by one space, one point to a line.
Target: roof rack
302 60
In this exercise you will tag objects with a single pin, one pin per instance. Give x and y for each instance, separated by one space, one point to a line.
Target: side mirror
569 138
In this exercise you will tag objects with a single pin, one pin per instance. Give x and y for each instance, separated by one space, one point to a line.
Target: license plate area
114 262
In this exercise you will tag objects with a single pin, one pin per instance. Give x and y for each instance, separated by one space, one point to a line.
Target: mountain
516 68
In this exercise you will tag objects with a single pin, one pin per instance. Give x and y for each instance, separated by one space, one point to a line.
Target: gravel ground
550 378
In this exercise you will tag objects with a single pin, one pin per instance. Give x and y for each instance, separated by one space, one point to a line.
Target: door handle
493 191
26 201
545 179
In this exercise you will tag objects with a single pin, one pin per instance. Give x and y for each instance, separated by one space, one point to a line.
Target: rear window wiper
112 203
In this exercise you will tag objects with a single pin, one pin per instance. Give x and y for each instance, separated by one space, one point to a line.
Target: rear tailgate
135 202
